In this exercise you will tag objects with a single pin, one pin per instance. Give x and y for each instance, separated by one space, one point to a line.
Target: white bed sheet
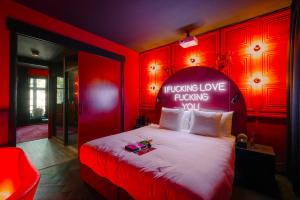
183 165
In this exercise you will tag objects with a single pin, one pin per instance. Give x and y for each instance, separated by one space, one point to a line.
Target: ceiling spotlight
35 53
189 41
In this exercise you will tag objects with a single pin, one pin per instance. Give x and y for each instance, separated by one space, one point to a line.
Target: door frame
16 28
66 102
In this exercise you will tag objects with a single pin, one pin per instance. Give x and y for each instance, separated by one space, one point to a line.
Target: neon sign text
206 87
190 95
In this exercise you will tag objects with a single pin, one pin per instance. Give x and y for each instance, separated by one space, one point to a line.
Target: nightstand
140 122
255 167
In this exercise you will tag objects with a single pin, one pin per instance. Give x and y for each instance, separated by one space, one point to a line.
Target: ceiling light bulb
35 53
257 80
256 48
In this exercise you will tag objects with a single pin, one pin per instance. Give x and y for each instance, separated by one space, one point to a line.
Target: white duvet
183 165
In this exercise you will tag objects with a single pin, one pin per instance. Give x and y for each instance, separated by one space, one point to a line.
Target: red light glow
153 88
6 188
153 67
257 80
76 88
257 48
193 60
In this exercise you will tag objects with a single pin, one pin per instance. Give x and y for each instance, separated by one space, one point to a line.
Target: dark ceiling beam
32 66
34 31
32 61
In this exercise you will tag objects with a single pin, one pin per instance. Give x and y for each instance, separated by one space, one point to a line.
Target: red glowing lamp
18 177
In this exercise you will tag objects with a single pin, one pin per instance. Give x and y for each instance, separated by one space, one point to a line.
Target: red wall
231 50
37 72
14 10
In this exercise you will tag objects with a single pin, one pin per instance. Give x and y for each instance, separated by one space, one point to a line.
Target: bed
183 165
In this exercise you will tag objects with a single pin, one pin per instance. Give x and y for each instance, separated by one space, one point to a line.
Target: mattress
183 165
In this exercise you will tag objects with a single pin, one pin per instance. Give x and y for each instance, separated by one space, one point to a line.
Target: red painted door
99 97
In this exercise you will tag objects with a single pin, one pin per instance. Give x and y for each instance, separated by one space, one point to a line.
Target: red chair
18 177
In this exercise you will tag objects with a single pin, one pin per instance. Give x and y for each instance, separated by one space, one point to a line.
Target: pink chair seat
18 177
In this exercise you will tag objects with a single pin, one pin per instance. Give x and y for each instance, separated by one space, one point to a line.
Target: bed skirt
106 188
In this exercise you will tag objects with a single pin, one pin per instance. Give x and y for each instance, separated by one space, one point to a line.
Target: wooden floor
45 153
59 168
63 182
284 192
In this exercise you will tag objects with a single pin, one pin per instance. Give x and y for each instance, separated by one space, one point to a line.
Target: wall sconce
153 68
153 88
257 80
193 60
256 48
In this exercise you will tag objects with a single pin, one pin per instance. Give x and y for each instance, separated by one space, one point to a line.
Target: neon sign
191 95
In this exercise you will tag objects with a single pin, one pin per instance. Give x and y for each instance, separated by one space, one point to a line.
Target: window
37 97
60 90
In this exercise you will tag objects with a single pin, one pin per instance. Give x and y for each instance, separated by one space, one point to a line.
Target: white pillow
226 123
171 118
185 124
206 123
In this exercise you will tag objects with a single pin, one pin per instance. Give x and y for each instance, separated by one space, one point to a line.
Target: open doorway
32 106
65 108
33 61
80 65
46 76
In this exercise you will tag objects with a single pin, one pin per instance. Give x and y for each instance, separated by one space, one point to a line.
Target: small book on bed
140 148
